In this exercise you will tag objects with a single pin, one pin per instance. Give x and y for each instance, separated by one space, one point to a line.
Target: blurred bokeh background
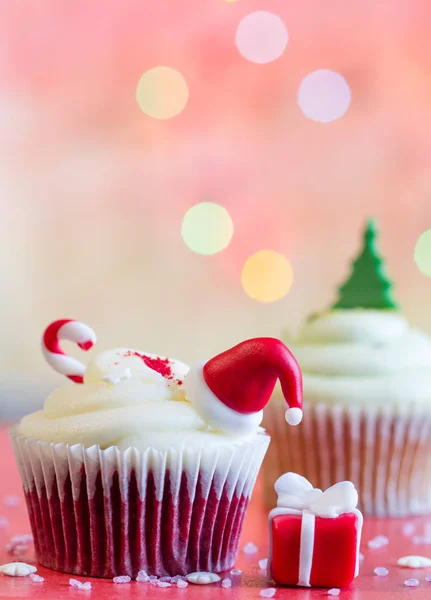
296 119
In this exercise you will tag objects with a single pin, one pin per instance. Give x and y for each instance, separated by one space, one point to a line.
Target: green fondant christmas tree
368 285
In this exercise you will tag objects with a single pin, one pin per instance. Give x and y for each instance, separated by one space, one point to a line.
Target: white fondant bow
295 491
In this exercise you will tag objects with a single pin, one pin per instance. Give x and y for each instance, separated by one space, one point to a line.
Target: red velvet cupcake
147 465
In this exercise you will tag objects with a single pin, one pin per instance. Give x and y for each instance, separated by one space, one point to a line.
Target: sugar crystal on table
121 579
267 592
250 548
226 583
381 571
411 582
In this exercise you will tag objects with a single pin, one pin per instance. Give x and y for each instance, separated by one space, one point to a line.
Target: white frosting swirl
123 401
364 357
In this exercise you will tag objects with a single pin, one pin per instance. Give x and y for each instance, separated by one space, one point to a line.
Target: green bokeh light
423 253
207 228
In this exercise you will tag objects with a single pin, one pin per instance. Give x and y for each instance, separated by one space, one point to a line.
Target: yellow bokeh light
423 253
162 93
267 276
207 228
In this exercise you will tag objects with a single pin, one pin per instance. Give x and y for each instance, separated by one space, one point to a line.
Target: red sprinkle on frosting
161 365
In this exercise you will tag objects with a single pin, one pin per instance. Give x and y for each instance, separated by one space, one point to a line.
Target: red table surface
366 587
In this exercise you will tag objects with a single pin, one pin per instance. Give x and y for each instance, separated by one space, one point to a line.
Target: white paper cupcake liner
110 512
387 457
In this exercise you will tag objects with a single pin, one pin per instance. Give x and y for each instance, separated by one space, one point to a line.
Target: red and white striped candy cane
73 331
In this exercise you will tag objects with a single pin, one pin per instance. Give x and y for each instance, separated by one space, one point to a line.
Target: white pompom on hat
231 390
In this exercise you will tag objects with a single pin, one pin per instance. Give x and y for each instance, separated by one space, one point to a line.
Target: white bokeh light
261 37
324 96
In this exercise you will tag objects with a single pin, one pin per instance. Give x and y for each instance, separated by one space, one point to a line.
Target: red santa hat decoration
231 390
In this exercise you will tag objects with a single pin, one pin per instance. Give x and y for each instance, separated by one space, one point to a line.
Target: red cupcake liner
104 513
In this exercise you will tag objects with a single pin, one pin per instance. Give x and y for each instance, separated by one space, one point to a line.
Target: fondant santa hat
231 390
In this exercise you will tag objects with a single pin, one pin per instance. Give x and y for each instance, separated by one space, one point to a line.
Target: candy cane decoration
73 331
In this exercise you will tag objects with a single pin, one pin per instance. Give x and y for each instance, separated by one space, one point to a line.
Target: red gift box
314 536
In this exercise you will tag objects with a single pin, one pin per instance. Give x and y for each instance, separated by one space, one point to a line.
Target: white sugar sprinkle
409 529
177 578
166 579
267 593
414 562
163 584
250 548
381 571
182 584
202 578
428 578
226 583
334 592
361 557
79 585
142 577
36 578
236 572
263 563
12 501
411 582
417 539
378 541
22 538
121 579
17 569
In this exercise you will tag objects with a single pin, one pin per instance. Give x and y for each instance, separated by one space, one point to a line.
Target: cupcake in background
147 465
367 398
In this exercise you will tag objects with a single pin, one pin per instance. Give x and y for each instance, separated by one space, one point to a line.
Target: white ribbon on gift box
296 496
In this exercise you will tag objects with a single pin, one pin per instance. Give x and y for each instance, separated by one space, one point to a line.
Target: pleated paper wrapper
387 456
104 513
